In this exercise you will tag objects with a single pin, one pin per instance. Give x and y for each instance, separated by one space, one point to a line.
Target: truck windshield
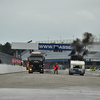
36 58
77 66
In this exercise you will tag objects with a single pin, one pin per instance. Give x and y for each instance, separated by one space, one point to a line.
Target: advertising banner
92 60
16 61
51 46
13 60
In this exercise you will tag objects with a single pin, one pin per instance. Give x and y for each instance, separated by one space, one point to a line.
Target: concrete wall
4 68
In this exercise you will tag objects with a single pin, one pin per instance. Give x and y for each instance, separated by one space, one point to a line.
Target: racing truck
35 62
76 65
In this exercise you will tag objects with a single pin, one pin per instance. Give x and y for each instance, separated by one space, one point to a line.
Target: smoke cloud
78 45
88 38
85 52
73 52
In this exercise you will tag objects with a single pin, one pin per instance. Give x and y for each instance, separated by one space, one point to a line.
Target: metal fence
6 59
65 64
50 65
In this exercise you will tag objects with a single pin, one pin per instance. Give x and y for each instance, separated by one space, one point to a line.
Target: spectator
21 63
16 63
94 68
91 68
0 61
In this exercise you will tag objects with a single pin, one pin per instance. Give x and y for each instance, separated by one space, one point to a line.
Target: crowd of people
93 68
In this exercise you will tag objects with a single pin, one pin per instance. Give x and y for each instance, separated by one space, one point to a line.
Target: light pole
60 39
30 42
48 39
73 37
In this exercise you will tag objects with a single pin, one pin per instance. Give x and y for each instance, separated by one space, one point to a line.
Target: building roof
62 56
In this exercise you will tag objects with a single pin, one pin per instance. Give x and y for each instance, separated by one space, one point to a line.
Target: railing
64 41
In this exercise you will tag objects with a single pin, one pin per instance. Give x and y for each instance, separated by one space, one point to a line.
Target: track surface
48 80
47 86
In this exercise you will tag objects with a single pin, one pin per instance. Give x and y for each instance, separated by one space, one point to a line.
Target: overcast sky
24 20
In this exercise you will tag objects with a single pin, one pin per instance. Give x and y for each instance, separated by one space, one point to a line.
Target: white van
77 67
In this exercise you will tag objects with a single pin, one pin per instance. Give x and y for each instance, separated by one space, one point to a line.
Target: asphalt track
67 93
49 86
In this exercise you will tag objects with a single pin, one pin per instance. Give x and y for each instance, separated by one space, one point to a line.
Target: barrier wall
4 68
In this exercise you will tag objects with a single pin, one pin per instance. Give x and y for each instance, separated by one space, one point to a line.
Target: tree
6 48
0 47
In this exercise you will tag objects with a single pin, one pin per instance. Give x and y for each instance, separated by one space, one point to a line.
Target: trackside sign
51 46
93 60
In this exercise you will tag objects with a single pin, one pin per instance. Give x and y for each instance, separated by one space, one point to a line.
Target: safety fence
8 59
50 65
65 64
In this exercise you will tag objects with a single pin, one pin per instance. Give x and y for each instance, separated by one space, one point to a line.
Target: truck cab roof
36 54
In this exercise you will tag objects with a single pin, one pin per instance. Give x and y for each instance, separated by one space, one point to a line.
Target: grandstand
51 57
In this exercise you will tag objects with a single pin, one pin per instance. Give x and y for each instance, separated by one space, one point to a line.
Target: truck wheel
41 72
82 74
26 68
70 74
29 72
